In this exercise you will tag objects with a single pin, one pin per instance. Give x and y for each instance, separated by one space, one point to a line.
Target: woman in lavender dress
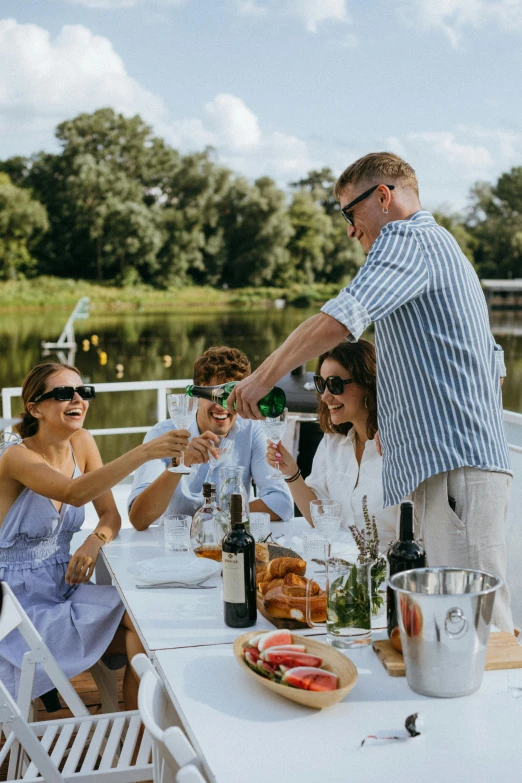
45 480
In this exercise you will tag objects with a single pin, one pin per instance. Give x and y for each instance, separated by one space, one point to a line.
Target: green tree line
118 204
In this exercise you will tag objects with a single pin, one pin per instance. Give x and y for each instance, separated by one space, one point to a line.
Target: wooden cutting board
504 652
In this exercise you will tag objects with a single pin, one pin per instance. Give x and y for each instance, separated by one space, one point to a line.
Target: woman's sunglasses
333 383
66 393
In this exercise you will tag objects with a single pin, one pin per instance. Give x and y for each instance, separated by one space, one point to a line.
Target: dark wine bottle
271 405
239 570
404 554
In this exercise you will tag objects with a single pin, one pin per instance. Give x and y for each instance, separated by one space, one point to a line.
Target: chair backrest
13 616
169 742
190 774
11 717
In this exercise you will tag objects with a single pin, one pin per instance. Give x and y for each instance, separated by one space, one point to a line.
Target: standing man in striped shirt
439 395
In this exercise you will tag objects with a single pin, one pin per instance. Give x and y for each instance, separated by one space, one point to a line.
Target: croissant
282 566
293 584
264 587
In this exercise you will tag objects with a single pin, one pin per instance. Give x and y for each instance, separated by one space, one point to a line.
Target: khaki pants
472 536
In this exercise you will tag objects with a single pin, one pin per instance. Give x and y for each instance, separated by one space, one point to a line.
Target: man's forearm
153 501
312 338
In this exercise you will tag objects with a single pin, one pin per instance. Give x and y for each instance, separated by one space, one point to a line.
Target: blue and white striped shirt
438 389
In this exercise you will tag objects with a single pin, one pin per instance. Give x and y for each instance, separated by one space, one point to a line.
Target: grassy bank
44 293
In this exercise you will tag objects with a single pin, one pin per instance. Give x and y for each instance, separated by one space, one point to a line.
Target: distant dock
503 294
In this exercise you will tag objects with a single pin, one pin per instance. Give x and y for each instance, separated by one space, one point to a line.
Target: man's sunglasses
346 211
333 383
66 393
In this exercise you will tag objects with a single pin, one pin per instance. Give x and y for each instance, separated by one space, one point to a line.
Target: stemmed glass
326 518
182 409
274 428
223 448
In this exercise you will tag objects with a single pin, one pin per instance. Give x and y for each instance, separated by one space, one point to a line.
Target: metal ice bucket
444 618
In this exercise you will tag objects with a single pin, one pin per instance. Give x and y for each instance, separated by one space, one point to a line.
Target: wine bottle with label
404 554
271 405
239 570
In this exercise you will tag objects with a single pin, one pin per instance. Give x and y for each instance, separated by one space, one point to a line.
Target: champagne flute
223 448
182 411
274 428
326 518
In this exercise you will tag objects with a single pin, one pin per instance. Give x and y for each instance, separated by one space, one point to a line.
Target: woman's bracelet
103 538
294 477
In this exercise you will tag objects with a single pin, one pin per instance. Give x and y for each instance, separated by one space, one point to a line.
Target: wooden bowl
333 661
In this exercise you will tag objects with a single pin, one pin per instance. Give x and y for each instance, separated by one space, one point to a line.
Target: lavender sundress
76 622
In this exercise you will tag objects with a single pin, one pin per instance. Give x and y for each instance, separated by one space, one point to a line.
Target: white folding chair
190 774
171 750
13 616
67 750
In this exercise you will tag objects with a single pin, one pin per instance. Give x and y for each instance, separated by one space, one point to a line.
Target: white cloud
234 130
453 17
44 81
445 146
117 4
311 13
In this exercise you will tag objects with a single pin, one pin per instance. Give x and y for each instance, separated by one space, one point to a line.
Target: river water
140 341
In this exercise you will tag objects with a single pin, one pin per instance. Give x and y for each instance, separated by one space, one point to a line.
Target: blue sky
279 86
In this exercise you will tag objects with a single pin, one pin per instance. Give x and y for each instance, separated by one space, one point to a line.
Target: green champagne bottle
272 404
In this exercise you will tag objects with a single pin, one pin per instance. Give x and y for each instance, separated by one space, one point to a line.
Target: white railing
512 421
161 388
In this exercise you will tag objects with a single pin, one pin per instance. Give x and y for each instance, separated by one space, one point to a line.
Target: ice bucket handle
455 624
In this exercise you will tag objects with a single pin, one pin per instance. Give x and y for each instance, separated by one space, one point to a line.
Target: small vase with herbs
367 541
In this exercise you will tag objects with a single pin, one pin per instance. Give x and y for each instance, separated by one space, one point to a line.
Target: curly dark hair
221 364
33 385
360 360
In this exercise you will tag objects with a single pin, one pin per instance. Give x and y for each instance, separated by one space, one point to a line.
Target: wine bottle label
233 577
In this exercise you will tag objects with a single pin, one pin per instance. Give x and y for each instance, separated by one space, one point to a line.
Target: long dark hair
360 360
33 385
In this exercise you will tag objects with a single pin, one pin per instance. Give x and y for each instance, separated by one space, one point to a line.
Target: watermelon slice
251 661
254 641
291 658
311 679
272 638
266 669
294 647
253 652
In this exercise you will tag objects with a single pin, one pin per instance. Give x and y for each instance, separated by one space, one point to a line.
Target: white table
243 732
171 618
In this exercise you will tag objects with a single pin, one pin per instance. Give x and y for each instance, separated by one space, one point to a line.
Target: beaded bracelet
294 477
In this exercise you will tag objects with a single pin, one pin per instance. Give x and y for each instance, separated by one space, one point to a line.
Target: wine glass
182 409
274 428
326 518
223 448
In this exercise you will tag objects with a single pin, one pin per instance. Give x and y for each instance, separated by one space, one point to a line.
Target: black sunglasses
346 210
333 383
66 393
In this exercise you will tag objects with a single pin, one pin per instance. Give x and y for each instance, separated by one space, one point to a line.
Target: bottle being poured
271 405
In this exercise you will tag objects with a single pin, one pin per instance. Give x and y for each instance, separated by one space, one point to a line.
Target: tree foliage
118 204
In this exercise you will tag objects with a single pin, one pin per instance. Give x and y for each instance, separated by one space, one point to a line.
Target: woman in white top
347 465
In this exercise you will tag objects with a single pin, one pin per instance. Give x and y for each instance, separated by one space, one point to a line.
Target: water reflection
139 343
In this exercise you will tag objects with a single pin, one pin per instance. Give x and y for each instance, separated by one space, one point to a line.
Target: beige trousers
472 536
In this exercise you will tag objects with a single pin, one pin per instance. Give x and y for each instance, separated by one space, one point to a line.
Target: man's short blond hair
375 169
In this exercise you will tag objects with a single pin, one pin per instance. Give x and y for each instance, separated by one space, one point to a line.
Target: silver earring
385 210
366 402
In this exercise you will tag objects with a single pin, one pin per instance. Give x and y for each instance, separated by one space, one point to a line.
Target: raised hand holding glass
182 411
274 428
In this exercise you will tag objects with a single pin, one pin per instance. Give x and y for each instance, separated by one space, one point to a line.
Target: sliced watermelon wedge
273 638
311 679
291 658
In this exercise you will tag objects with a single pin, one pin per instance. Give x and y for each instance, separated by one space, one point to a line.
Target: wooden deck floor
88 692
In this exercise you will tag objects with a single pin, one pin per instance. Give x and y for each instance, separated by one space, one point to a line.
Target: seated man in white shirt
156 491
